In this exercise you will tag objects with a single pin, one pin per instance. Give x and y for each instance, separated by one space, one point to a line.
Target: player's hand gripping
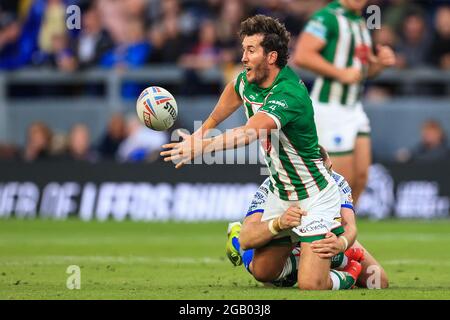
183 152
350 75
291 218
385 56
328 247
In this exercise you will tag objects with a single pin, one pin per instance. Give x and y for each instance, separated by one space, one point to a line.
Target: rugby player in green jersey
336 44
278 107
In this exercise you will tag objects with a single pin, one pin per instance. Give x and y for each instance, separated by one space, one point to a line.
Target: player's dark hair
276 37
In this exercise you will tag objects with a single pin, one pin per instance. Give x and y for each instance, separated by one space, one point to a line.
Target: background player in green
276 102
336 44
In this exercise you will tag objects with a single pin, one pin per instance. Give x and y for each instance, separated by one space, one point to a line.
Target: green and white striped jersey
297 170
348 44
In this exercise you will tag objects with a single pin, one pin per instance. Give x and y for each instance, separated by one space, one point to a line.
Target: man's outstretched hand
184 151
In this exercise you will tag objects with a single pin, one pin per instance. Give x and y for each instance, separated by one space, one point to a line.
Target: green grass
187 261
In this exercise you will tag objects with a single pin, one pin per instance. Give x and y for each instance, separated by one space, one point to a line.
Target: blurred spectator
432 147
58 145
157 41
281 10
141 144
385 36
135 9
19 32
395 12
206 53
113 137
132 52
53 41
53 23
38 143
61 55
440 48
231 15
8 152
79 144
414 43
112 16
9 26
174 43
93 41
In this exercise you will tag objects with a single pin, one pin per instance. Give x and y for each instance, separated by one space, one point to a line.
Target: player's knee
262 274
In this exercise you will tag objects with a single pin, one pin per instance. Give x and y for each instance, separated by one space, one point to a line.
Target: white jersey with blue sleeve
260 197
344 190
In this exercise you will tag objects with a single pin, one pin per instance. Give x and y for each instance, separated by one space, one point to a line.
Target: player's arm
228 103
307 55
349 224
256 233
332 244
384 58
192 147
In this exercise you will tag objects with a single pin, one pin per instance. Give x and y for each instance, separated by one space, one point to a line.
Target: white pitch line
45 260
421 262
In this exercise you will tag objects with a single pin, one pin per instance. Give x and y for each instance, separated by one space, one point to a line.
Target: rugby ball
157 108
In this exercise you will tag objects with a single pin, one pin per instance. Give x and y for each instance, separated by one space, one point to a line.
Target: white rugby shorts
338 126
323 213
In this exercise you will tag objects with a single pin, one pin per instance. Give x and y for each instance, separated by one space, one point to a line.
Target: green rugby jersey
297 170
348 44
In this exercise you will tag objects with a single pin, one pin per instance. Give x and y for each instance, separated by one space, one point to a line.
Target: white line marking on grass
44 260
400 236
421 262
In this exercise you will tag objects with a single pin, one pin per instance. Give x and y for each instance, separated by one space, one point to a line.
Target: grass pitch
187 261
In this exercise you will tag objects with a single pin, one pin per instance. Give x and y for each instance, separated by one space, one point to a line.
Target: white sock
335 279
343 263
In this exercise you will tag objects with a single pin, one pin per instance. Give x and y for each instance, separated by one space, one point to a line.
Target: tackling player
241 250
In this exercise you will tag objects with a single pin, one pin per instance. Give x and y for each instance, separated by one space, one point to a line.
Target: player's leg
362 161
344 164
372 275
268 262
313 272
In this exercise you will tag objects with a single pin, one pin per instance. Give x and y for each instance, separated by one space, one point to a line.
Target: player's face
355 5
254 59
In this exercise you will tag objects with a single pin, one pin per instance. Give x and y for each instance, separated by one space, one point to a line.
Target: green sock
339 261
341 280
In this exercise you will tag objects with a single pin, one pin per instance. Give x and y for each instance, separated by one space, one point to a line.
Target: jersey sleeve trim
348 206
253 212
317 29
277 121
